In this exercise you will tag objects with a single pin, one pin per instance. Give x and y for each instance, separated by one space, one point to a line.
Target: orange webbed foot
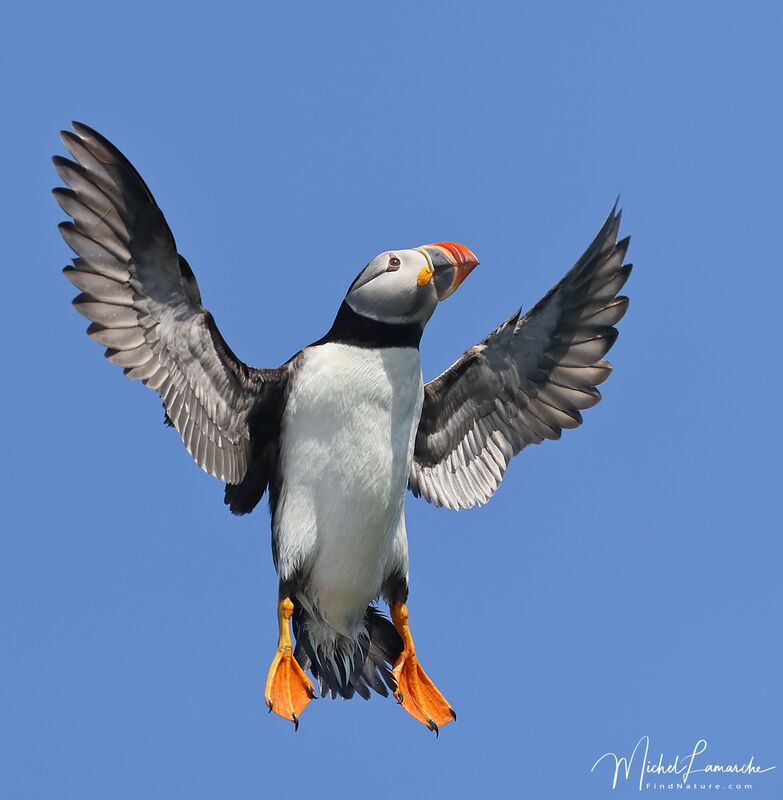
288 689
417 694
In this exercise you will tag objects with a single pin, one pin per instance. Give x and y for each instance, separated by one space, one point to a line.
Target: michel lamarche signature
682 766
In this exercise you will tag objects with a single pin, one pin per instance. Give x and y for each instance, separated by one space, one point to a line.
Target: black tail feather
369 660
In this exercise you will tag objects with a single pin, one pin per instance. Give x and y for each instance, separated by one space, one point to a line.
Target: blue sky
624 581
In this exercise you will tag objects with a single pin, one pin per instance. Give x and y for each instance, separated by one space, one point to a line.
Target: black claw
433 727
296 721
453 713
269 704
398 696
311 692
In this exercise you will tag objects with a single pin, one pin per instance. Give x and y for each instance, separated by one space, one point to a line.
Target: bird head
405 286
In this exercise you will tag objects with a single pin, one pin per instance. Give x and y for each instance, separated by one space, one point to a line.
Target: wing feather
525 382
145 307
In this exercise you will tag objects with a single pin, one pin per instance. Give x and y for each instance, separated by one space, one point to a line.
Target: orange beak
451 264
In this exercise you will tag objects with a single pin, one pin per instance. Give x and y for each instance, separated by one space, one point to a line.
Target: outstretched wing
525 382
144 305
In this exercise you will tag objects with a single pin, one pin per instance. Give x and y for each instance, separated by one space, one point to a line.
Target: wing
145 307
524 383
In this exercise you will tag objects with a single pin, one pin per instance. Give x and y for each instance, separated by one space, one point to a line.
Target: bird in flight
337 434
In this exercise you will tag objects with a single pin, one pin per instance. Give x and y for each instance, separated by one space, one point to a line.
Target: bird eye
394 262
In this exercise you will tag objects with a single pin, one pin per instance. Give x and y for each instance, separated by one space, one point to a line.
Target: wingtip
616 213
87 134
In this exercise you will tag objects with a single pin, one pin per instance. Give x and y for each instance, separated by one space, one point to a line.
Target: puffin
337 435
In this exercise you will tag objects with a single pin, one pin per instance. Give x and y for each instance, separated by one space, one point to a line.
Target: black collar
352 328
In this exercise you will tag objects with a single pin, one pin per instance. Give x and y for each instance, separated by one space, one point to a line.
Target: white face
396 287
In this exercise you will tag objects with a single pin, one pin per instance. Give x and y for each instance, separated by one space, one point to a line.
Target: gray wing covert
145 307
524 382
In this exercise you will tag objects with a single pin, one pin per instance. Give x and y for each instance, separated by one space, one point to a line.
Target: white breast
347 442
